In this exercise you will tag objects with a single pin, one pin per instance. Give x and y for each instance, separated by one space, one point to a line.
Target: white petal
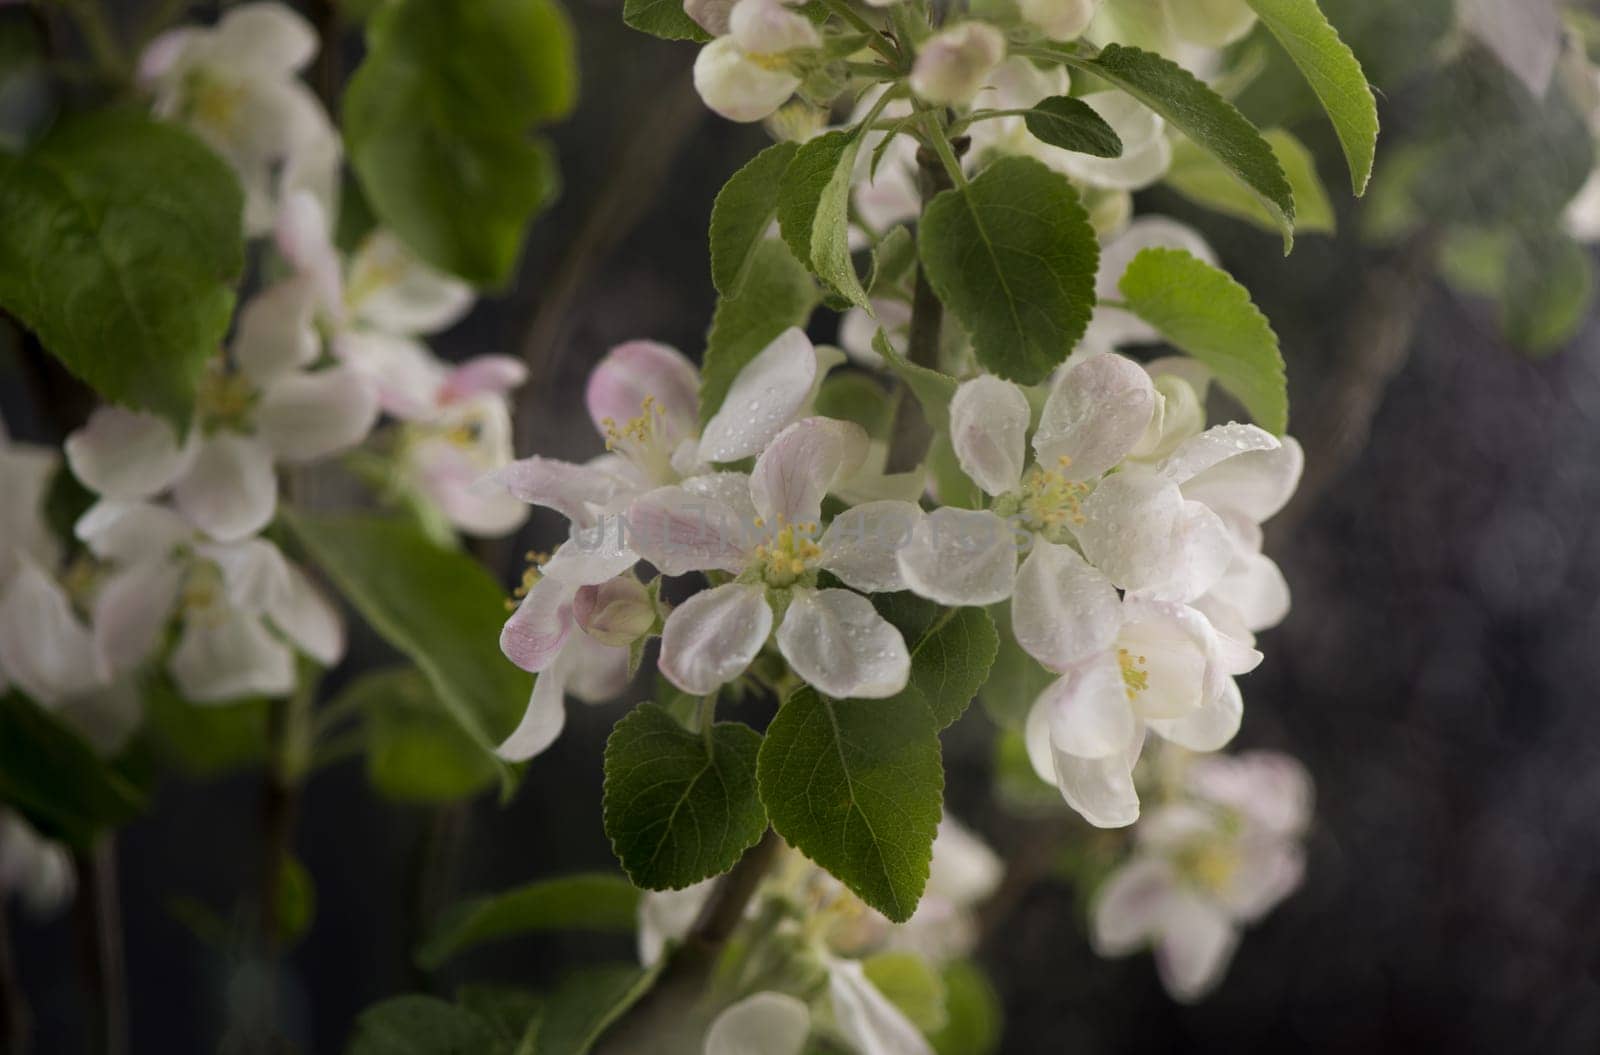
963 870
1210 728
838 643
254 572
1036 739
45 649
542 722
1100 789
1175 647
1095 415
307 618
862 544
738 88
230 492
711 638
988 429
767 394
865 1016
1214 447
124 453
635 371
666 916
1146 232
961 557
1129 908
1255 484
1212 23
1089 712
1255 590
764 1024
262 40
1197 940
953 64
769 27
537 631
1129 528
591 557
577 492
277 332
451 477
1063 609
1059 19
679 531
1146 154
407 377
105 716
599 672
1269 870
131 612
131 531
224 654
393 291
1270 788
26 473
305 416
802 464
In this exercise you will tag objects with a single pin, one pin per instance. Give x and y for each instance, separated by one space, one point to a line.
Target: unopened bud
617 612
1211 23
736 86
767 27
953 63
1060 19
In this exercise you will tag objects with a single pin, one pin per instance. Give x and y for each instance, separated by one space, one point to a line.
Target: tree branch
98 909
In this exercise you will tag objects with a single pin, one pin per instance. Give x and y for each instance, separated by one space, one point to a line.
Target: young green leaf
1073 124
1013 255
420 1025
858 787
121 243
932 389
586 1002
1335 75
910 984
1204 116
972 1013
742 213
777 293
1204 312
437 606
680 806
814 206
856 396
50 775
663 18
1200 177
415 751
593 902
437 119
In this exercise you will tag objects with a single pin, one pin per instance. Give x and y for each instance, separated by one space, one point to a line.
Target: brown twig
329 68
14 1018
98 909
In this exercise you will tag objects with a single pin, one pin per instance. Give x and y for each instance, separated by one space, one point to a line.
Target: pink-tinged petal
770 392
124 453
125 532
599 673
493 375
988 429
45 649
392 291
306 416
306 617
961 557
1100 789
302 235
1270 869
542 722
231 491
1209 728
768 1023
803 463
131 612
839 644
591 557
638 370
1063 609
165 52
862 545
277 332
616 612
1197 941
711 638
577 492
1272 789
680 532
1089 712
872 1024
407 377
1256 484
1095 416
1130 907
537 631
451 476
224 654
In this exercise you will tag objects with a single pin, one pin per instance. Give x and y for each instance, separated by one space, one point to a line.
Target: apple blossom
766 1023
749 73
953 63
1060 19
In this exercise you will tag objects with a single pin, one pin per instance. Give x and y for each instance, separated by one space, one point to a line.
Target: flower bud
1060 19
617 612
736 86
767 27
1211 23
954 62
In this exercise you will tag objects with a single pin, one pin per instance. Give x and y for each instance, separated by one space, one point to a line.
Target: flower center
646 441
1134 675
211 100
225 400
1208 864
1050 503
202 587
787 555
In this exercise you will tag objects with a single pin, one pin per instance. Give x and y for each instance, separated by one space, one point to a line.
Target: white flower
1204 867
25 474
767 1023
244 608
1211 23
871 1024
748 74
1146 153
235 85
665 917
963 873
1060 19
952 64
759 527
1582 215
32 867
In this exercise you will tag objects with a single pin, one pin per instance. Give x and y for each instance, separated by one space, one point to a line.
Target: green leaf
777 293
415 751
858 787
850 395
1015 679
204 741
814 206
1073 124
952 660
680 806
437 606
663 18
586 1003
297 901
1013 256
1335 75
742 213
1200 177
951 484
1204 312
909 983
50 775
933 389
894 261
591 902
509 1011
420 1025
120 248
437 120
1205 117
972 1013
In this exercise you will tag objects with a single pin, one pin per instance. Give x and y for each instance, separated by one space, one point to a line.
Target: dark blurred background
1437 675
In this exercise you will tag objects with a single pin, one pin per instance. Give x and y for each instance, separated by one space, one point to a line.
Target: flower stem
14 1018
99 914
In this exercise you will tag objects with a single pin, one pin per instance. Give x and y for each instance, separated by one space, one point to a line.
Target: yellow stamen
1134 674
